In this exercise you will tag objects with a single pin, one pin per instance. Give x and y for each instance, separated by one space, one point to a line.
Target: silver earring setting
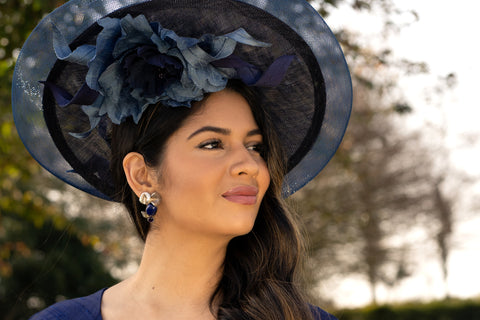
151 201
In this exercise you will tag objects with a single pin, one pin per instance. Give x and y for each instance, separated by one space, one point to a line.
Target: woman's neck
175 277
188 268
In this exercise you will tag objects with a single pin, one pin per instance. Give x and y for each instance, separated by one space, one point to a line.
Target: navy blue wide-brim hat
310 107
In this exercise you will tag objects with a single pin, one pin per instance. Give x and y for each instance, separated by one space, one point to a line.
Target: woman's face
212 177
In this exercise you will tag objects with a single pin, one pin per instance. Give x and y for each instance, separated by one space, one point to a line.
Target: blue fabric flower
136 63
150 71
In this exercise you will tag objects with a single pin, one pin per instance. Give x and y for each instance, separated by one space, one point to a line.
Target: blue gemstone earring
151 201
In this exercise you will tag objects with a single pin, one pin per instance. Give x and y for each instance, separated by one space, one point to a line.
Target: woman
198 116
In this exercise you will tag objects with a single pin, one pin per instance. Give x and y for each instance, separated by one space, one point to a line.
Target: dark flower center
151 71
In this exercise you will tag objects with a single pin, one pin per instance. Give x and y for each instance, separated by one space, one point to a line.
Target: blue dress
89 308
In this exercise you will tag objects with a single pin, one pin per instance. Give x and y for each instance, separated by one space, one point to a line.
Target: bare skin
197 216
178 287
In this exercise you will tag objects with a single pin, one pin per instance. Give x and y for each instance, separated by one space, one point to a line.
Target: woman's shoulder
84 308
319 314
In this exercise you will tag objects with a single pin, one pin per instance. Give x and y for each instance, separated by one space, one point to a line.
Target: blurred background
392 222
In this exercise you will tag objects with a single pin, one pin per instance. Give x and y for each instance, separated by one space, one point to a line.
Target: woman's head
210 159
219 169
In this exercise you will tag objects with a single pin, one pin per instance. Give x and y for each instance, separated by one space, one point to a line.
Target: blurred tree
444 214
384 180
449 182
43 264
43 255
379 184
376 187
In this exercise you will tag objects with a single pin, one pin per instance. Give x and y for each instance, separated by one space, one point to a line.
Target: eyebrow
222 131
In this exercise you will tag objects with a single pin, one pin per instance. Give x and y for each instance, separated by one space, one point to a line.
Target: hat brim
310 109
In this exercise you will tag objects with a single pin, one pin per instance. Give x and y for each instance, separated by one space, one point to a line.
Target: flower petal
111 84
119 103
252 76
219 48
92 111
135 31
106 40
242 36
84 95
208 78
245 71
181 94
81 55
174 40
275 73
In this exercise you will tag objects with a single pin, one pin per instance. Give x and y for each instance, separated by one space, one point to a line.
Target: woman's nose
244 162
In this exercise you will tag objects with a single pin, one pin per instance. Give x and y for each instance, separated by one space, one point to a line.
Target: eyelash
215 144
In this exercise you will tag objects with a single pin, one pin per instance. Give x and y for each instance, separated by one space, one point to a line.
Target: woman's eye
257 147
211 144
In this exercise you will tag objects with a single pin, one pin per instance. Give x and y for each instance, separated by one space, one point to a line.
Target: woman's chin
237 229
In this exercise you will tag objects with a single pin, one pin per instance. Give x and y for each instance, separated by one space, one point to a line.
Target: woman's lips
243 195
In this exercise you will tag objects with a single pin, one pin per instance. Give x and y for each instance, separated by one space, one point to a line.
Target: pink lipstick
242 195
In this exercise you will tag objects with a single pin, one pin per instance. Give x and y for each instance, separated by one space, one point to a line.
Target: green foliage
17 20
378 185
43 255
41 264
439 310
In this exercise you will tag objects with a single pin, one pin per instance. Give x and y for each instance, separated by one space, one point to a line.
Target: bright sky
445 37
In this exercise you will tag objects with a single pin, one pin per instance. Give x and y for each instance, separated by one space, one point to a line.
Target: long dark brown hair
260 268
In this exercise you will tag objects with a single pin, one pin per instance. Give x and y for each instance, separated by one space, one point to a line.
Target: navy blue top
88 308
85 308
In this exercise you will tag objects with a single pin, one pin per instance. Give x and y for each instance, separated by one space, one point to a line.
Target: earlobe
137 173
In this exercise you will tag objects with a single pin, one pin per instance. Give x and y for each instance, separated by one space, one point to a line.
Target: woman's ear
138 174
